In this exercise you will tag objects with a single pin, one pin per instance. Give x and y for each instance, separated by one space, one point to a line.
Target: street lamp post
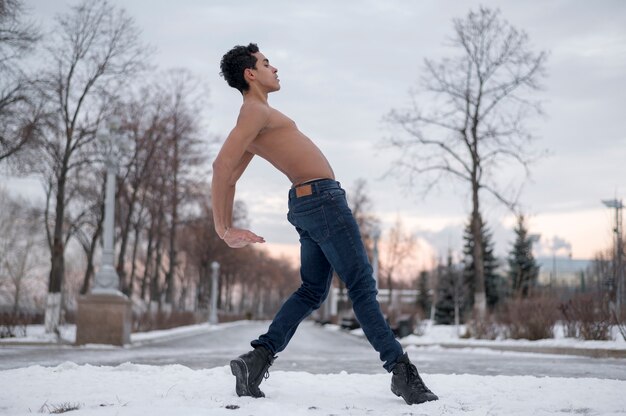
215 268
618 274
375 265
533 238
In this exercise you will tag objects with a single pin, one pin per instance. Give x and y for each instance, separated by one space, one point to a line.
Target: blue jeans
330 239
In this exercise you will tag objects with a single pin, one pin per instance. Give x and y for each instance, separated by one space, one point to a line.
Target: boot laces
269 362
413 378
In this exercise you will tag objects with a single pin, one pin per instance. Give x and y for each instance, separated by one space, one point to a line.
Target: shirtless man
329 236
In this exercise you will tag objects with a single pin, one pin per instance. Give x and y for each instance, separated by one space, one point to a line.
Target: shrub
153 320
13 324
587 316
530 318
486 328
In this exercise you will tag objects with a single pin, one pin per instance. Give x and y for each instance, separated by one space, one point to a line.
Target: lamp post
618 269
532 239
375 266
215 268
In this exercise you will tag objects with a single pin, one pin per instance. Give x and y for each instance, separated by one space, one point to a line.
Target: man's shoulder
254 112
255 107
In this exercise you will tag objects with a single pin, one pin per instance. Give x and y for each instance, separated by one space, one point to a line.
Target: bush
150 321
13 324
487 328
587 316
529 318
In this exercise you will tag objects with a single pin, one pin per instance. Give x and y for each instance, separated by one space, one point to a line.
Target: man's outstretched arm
228 167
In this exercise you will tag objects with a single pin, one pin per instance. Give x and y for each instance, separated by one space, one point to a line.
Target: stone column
105 315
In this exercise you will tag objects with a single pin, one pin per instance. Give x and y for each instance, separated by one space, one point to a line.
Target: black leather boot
249 370
407 383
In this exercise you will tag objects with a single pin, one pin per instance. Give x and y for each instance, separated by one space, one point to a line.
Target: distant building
561 271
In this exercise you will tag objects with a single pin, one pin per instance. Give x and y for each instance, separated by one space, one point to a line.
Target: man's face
265 74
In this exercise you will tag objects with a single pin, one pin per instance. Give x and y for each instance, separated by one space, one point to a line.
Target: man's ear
248 73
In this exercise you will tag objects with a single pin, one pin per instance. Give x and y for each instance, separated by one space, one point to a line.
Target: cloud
555 245
343 67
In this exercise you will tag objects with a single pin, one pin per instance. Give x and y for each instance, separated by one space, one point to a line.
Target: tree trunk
93 245
480 299
121 259
390 288
92 248
169 277
146 272
16 301
241 307
155 293
57 260
17 281
133 270
220 290
171 269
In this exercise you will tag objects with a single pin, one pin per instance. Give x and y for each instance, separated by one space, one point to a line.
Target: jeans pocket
312 221
336 193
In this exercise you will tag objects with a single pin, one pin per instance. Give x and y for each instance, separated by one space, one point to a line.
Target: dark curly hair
235 61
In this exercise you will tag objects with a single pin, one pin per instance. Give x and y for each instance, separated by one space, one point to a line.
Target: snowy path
131 389
315 350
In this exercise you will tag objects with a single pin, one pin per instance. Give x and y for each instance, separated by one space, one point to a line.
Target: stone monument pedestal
103 319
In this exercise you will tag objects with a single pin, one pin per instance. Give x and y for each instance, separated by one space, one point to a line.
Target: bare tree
94 51
184 155
401 246
162 120
144 125
474 121
18 114
362 207
201 244
20 246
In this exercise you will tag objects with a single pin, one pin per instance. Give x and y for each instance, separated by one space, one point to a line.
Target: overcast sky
343 65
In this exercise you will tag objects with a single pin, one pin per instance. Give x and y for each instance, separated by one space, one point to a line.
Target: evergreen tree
494 283
424 300
523 270
447 283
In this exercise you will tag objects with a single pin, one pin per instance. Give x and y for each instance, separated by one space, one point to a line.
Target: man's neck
255 94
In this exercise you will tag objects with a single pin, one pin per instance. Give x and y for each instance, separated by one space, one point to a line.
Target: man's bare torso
284 146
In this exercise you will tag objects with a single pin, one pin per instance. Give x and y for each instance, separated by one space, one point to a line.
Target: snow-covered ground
36 334
433 335
131 389
134 389
450 335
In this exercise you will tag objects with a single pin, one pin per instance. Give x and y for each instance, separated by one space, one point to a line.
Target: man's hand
237 238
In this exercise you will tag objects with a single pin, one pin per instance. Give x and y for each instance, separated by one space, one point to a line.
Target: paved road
316 350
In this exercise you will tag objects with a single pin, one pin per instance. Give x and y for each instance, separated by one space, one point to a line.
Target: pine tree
447 283
523 270
493 282
424 300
